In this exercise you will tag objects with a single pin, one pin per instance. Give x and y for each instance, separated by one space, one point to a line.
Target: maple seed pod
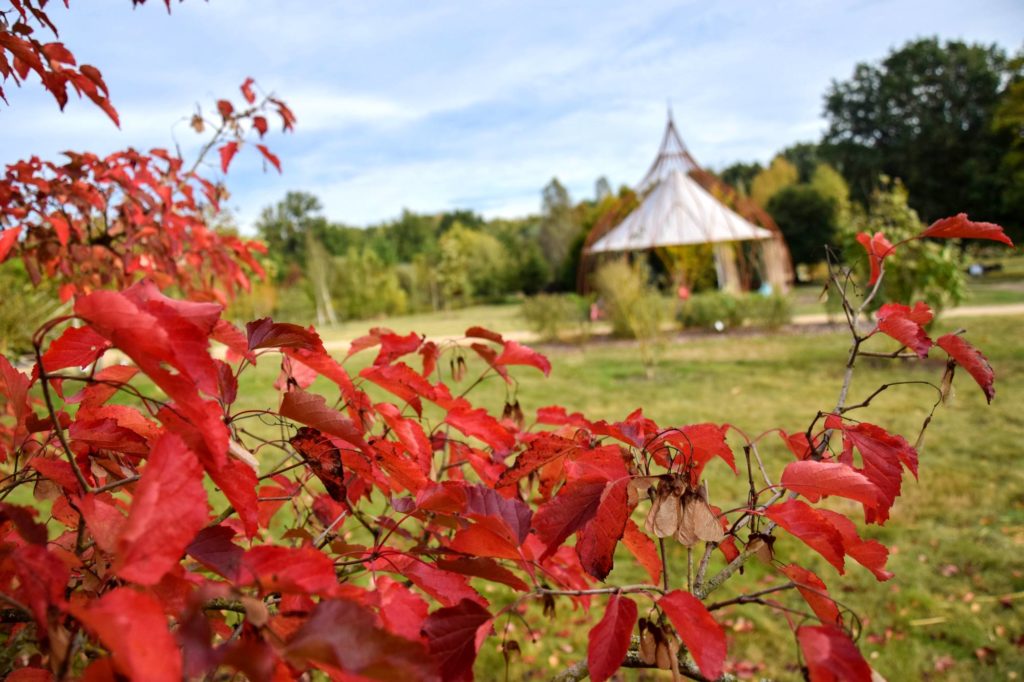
648 643
760 545
697 522
663 519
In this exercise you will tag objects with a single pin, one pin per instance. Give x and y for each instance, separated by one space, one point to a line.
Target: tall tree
558 224
806 156
1009 121
740 175
773 179
924 114
293 230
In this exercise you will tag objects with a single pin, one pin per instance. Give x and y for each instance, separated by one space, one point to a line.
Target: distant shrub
703 311
766 311
557 316
633 305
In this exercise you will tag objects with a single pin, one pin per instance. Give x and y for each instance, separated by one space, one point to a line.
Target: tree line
420 262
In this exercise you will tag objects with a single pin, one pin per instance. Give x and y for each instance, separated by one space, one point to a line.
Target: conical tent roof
678 212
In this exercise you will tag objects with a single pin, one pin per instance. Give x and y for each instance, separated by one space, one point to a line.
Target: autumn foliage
355 529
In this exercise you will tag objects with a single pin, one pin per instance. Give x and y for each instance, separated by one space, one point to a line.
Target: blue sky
439 105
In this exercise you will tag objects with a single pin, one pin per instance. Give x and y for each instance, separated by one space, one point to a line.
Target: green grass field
955 609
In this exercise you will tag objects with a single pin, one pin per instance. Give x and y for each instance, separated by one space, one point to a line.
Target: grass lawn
954 611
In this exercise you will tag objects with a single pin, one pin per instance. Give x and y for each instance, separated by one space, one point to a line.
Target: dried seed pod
697 522
663 519
761 546
648 642
637 486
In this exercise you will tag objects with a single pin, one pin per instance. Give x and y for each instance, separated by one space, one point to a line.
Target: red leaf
542 448
882 454
409 433
609 639
804 522
225 108
697 445
23 519
643 548
270 156
403 381
237 481
815 480
213 548
560 517
870 554
61 227
8 238
260 124
830 656
300 570
14 387
394 346
481 540
446 587
345 635
904 325
312 410
698 629
76 347
971 359
797 444
453 635
30 675
42 577
516 354
814 592
227 152
133 626
599 537
478 424
959 226
328 368
481 333
287 117
878 248
247 90
511 517
324 459
402 610
168 509
481 567
265 333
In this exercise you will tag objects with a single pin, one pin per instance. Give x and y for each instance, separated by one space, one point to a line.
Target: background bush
557 316
702 311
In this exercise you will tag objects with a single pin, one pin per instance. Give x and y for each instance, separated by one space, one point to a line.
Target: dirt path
812 319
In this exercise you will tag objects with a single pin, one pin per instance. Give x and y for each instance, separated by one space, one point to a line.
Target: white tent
678 212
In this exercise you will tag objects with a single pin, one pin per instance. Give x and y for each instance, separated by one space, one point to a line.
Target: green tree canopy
924 115
807 219
776 177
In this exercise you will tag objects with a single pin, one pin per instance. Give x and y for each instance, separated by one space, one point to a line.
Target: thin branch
753 597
